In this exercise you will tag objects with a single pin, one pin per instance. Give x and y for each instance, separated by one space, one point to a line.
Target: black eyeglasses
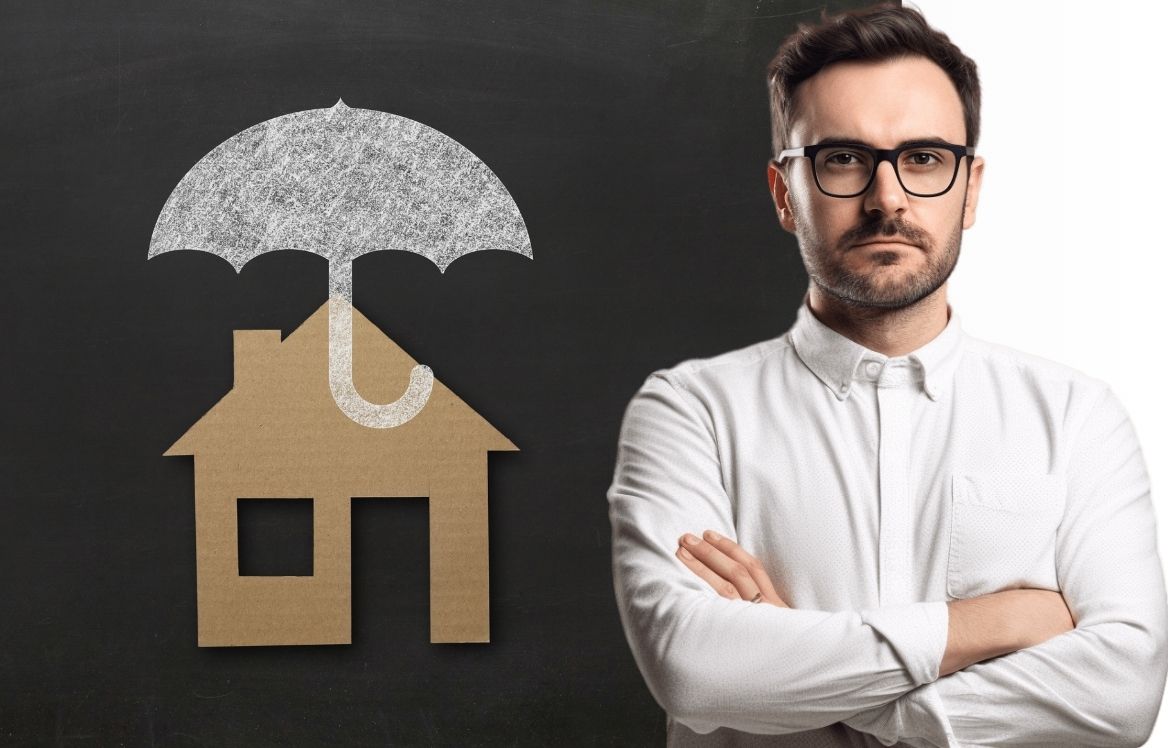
926 168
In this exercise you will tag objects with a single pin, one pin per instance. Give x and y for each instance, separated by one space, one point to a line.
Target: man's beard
828 272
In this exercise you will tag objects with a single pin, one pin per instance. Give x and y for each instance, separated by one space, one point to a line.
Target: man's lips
885 243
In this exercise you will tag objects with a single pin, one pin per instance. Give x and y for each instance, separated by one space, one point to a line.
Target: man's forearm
1096 685
999 623
980 628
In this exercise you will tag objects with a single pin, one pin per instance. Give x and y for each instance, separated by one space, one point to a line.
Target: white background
1067 258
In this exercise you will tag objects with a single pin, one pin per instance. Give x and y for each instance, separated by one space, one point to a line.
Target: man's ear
972 191
781 195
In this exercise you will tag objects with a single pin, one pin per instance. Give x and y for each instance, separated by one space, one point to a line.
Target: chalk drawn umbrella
342 182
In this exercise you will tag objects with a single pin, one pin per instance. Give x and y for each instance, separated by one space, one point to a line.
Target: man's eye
845 158
921 158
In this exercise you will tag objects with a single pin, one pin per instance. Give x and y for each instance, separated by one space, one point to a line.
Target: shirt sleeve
713 662
1099 684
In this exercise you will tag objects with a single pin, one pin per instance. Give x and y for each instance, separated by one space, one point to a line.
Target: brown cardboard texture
279 434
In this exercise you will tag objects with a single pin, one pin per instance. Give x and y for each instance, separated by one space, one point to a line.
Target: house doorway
391 573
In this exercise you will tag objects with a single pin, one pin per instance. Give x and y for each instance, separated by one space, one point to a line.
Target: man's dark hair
883 32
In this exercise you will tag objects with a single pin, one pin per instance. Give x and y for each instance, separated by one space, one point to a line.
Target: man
875 528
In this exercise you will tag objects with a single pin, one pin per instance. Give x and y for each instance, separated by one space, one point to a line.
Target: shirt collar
835 359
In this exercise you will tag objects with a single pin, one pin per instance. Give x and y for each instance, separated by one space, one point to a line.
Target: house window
275 537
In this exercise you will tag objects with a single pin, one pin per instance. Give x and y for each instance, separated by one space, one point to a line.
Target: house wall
236 610
459 594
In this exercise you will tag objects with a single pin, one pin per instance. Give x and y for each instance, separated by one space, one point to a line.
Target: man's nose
885 195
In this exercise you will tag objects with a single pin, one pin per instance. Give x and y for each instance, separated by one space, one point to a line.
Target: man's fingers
726 568
720 585
757 572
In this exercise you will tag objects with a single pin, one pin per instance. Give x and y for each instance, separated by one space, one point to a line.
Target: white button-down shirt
874 489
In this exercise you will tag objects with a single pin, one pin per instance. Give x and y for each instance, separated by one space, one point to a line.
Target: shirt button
873 368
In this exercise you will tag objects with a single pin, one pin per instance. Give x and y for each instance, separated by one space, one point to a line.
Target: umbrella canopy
339 183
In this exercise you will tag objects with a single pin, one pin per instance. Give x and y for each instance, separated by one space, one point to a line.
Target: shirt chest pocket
1003 532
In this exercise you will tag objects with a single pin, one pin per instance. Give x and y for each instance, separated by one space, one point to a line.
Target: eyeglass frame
891 155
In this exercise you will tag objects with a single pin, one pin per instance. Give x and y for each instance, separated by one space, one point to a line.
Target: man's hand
731 571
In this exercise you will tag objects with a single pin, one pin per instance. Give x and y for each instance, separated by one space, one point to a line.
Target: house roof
281 404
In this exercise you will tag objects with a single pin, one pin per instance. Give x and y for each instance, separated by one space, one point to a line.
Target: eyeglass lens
846 170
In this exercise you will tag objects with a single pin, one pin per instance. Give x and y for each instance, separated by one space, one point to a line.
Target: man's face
884 248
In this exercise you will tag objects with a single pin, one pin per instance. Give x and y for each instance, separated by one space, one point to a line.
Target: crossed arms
980 628
898 672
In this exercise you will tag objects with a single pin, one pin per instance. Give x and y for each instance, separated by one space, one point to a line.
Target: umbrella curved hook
357 408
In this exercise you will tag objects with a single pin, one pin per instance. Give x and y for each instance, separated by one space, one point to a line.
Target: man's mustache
896 228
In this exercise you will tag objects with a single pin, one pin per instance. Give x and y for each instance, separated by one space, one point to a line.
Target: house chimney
254 351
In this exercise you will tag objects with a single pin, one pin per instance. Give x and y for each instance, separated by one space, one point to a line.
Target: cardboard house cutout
278 434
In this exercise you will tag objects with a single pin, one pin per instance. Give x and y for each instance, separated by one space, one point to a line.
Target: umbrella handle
345 393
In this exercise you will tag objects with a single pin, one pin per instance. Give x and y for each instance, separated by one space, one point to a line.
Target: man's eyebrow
924 140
